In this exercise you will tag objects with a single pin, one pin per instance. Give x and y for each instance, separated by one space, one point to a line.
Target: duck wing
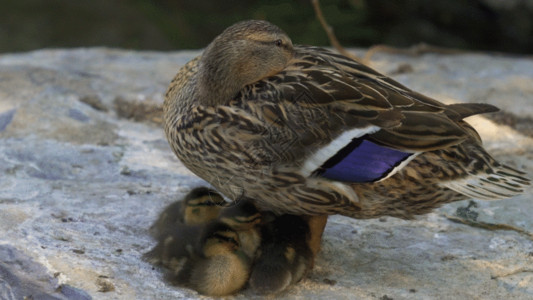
408 120
351 123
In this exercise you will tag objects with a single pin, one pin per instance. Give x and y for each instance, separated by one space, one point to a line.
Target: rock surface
85 169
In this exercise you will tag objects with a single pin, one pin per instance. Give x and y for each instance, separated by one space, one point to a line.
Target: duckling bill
305 131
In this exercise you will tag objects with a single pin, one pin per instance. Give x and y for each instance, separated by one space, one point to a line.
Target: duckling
244 218
305 131
208 258
200 206
222 267
285 254
205 246
175 246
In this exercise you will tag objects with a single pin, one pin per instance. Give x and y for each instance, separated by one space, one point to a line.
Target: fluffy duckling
284 256
200 206
208 258
243 217
175 246
220 267
205 246
306 131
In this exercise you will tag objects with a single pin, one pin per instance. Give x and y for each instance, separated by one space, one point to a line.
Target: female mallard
306 131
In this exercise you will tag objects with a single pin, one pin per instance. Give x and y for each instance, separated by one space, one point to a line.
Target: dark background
486 25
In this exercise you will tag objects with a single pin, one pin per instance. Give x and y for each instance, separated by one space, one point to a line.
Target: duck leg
317 224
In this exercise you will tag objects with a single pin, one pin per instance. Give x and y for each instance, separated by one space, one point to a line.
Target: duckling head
243 54
219 239
201 206
241 215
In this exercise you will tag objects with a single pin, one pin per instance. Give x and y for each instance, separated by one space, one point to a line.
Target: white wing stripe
323 154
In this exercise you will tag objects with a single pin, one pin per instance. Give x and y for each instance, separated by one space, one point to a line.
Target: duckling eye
278 43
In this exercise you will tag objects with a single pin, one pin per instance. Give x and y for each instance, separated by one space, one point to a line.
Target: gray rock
85 169
22 278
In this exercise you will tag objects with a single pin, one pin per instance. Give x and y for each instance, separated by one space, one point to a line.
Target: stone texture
85 169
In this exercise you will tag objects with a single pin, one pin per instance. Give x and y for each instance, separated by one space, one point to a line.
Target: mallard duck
285 254
305 131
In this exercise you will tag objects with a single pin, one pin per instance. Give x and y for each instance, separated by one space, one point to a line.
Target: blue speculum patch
361 161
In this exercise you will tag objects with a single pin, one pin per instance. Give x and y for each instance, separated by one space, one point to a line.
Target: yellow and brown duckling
210 255
306 131
200 206
207 258
243 217
176 244
284 255
219 265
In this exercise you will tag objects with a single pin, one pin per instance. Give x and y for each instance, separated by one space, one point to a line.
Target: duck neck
218 81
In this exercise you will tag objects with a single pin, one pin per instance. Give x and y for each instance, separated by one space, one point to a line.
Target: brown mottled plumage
254 116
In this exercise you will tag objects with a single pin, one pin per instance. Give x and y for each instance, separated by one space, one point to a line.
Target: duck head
243 54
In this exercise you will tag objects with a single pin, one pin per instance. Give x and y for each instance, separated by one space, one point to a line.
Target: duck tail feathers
460 111
500 183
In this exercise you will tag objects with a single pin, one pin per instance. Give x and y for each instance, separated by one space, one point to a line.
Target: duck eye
278 43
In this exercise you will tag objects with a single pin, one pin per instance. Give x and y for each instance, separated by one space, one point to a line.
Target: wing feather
321 96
